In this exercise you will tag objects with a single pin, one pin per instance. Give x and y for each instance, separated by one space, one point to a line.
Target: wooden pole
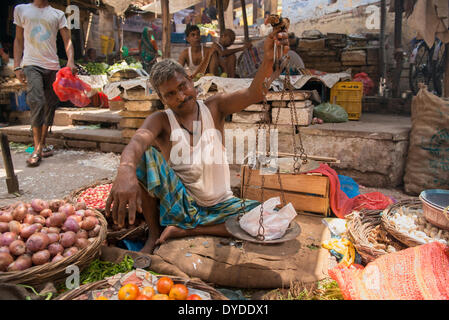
165 29
12 183
221 20
398 51
383 62
245 21
255 11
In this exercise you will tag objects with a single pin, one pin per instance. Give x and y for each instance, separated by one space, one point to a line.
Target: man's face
194 38
178 93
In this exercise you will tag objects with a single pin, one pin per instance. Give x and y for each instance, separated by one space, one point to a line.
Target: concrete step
77 137
66 116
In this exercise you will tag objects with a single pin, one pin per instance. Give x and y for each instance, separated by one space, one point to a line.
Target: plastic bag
69 87
368 84
330 112
275 222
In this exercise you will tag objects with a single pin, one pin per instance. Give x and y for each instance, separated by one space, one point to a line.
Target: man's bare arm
18 53
125 190
68 46
229 103
182 58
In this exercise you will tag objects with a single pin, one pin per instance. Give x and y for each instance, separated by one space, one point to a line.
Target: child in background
227 58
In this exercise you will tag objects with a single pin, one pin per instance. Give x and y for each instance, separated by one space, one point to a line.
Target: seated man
197 57
91 55
226 57
180 187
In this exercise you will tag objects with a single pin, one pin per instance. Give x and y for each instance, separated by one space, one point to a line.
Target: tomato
143 297
160 296
164 285
148 291
128 292
179 292
194 297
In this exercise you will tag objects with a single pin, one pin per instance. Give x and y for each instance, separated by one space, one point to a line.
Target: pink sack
68 86
368 84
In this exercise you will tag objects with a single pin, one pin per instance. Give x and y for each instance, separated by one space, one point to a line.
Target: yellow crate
349 96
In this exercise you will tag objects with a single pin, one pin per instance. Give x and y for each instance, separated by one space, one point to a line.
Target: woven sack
418 273
427 165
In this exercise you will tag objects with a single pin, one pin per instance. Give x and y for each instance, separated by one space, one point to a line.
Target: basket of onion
95 196
39 240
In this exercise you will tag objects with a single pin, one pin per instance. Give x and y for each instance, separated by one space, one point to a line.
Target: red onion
53 237
4 249
4 227
46 213
70 225
7 238
67 239
23 262
5 216
55 249
38 205
81 205
5 260
95 231
17 247
70 251
15 226
38 241
68 209
41 257
82 234
39 219
57 258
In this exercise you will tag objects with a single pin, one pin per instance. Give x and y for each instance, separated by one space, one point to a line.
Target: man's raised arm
229 103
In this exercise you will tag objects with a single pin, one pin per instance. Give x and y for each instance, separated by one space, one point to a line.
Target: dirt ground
57 176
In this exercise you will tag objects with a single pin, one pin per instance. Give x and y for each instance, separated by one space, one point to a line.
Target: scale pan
233 227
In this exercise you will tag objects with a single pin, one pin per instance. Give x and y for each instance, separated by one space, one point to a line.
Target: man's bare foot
150 244
171 232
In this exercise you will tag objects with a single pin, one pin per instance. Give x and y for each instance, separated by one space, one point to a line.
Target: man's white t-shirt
41 26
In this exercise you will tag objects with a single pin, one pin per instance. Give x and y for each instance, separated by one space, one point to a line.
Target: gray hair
163 71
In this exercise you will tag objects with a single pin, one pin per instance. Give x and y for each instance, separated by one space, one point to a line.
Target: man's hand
72 67
125 193
20 75
280 38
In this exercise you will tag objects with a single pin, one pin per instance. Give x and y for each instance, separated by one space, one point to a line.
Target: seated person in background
91 55
266 28
197 57
296 64
4 112
226 57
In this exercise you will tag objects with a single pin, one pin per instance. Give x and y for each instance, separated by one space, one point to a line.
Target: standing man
36 62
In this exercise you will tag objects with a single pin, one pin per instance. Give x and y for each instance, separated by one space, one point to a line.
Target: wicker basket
391 228
131 233
56 270
360 226
79 293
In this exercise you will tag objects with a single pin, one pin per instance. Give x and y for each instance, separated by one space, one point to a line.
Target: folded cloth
176 206
341 204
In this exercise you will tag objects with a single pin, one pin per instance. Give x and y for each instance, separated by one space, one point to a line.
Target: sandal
34 160
47 151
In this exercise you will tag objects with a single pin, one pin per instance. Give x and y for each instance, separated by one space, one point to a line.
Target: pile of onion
43 232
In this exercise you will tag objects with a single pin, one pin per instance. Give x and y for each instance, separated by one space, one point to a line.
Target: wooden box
306 192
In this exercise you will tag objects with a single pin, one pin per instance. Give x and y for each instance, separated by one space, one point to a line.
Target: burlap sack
427 165
251 265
